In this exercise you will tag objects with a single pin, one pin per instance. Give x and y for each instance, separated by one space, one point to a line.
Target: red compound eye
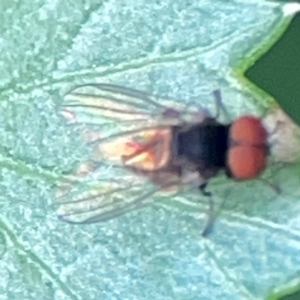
246 162
247 156
248 130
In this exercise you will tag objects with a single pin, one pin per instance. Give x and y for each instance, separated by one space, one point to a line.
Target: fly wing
101 200
126 130
107 104
121 124
117 109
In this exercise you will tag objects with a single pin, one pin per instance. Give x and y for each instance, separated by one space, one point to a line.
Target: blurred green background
278 73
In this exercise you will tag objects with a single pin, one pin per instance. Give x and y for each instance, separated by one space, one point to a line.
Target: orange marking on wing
149 151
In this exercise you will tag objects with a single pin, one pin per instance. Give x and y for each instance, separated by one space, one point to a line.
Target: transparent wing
104 199
129 134
118 109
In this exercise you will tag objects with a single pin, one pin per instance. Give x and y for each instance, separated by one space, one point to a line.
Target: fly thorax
204 145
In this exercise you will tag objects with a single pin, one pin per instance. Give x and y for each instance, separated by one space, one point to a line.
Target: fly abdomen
204 145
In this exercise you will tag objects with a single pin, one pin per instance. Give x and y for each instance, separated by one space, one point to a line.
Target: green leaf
176 49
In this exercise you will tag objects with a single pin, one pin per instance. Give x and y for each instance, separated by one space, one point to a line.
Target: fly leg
203 114
219 105
210 213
